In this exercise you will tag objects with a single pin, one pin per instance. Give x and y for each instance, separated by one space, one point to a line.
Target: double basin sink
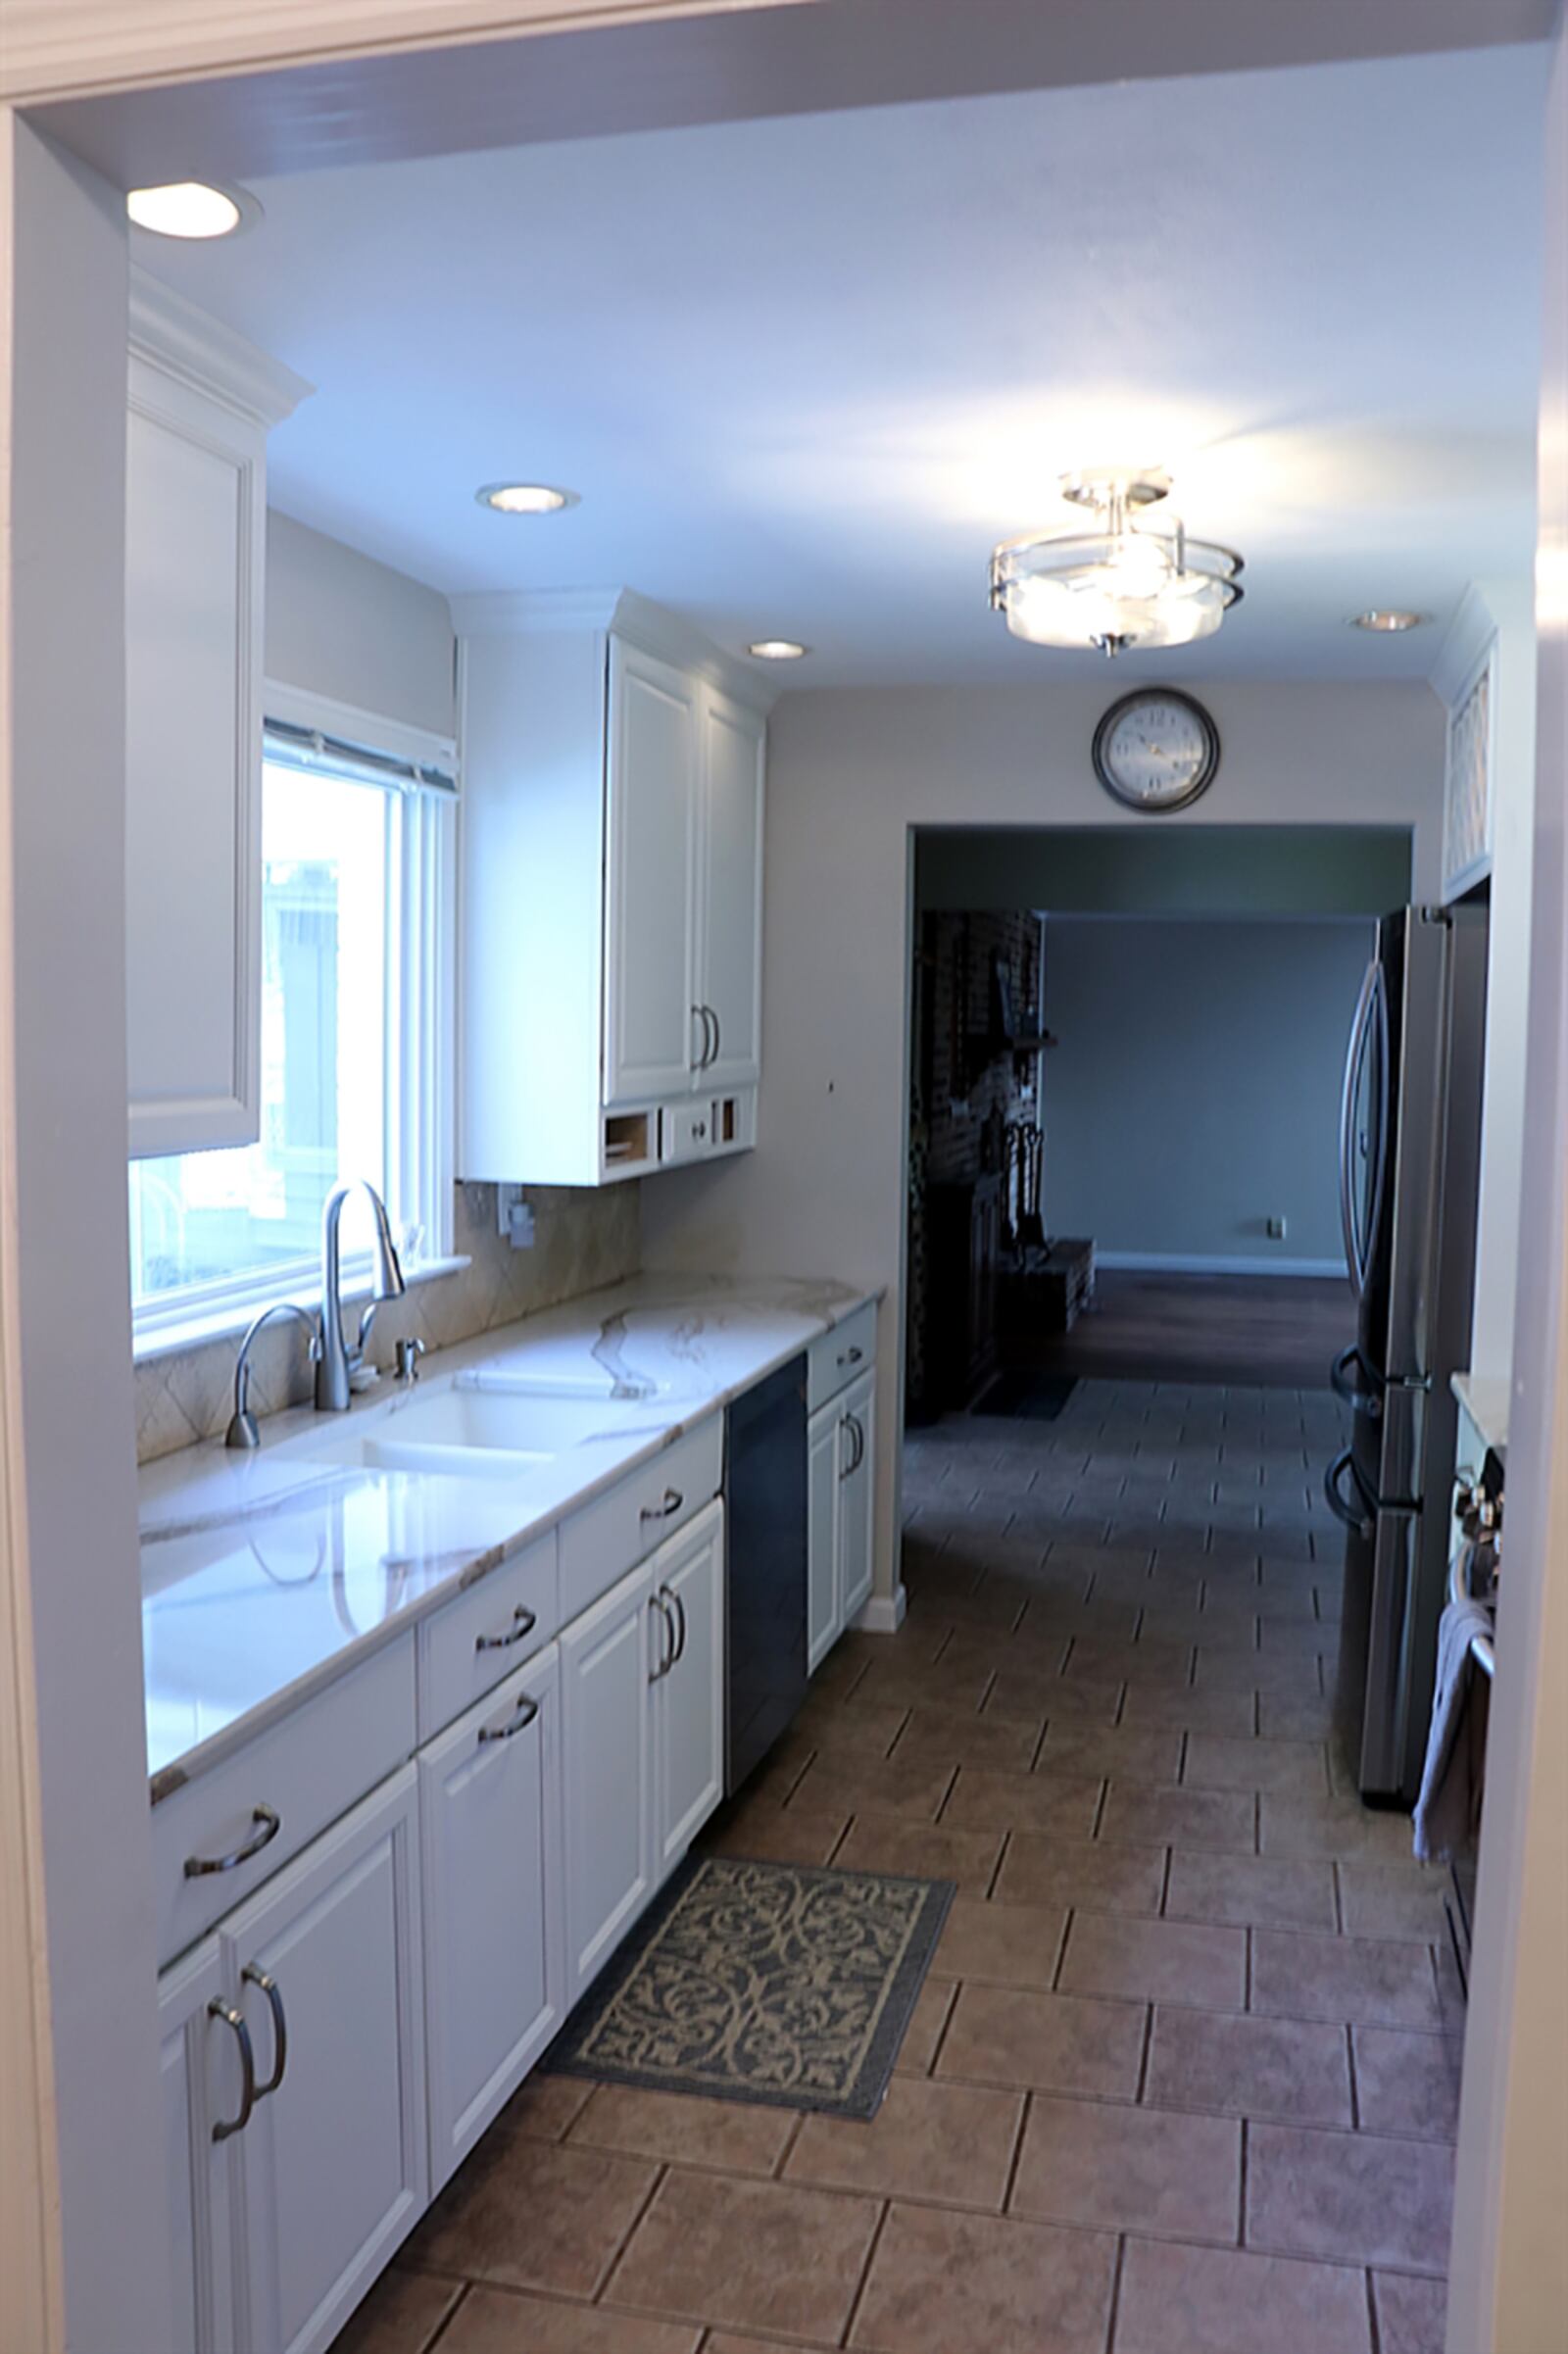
481 1424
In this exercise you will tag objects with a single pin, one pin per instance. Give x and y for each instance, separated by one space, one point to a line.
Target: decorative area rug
762 1982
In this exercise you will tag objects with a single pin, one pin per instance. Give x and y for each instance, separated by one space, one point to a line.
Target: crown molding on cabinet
513 613
188 343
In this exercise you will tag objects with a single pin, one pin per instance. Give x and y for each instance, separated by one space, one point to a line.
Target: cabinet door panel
824 1615
605 1766
730 888
649 1030
857 1466
689 1701
490 1828
333 2164
200 2069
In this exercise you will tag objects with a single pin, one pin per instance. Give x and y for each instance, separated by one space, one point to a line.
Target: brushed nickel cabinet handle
525 1622
268 1825
255 1976
679 1601
700 1014
671 1503
851 1356
217 2008
521 1718
667 1642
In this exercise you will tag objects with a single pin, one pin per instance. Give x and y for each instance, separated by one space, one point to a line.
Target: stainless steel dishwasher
764 1491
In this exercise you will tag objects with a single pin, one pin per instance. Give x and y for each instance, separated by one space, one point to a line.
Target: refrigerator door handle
1367 1393
1356 1516
1369 1027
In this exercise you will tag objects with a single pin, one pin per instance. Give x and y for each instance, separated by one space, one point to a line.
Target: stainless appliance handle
1353 1516
1370 1022
1483 1650
255 1976
232 2018
1352 1392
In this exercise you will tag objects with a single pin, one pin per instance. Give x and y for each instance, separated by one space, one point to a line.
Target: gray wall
342 625
1196 1089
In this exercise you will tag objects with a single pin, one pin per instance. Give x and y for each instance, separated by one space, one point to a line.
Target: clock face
1157 750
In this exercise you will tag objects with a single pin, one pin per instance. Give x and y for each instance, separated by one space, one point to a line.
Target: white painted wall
849 774
1195 1092
342 625
1508 2289
70 1432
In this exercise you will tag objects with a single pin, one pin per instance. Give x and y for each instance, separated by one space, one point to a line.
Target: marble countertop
1486 1398
266 1576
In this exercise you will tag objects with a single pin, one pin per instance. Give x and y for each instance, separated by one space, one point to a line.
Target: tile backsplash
582 1239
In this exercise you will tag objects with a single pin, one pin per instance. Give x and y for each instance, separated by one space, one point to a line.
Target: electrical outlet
1276 1230
515 1217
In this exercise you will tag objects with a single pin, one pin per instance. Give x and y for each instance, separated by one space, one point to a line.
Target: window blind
315 754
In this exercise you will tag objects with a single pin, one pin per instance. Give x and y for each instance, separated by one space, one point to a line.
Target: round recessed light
524 498
1387 620
778 650
191 209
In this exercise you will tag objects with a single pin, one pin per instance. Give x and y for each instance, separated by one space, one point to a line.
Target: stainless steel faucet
335 1363
242 1430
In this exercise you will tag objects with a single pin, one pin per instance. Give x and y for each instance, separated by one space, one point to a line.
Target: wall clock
1157 750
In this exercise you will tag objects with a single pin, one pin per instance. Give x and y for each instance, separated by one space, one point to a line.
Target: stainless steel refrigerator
1409 1163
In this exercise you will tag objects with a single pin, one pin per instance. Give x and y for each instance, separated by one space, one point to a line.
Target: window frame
420 1065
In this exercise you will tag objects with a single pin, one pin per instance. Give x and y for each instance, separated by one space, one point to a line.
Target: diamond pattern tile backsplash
582 1239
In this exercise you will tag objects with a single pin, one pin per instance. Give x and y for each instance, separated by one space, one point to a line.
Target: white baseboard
883 1614
1155 1262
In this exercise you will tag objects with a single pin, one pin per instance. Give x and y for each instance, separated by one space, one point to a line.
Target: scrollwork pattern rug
762 1982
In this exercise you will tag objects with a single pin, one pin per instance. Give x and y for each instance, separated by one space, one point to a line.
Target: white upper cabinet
201 401
611 865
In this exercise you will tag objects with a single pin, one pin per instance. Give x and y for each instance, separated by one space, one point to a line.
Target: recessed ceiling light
1387 620
778 650
524 498
189 207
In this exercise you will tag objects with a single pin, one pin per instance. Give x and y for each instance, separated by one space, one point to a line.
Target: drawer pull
219 2009
268 1825
255 1976
851 1356
673 1500
521 1718
525 1622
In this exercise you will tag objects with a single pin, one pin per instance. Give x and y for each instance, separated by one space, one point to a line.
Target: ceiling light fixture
778 650
526 497
1387 620
191 209
1125 584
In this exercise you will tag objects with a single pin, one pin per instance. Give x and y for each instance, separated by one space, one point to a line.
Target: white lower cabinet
332 2167
608 1658
492 1893
840 1465
688 1692
203 2070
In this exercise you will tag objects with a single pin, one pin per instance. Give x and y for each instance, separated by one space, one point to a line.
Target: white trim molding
516 613
884 1613
189 344
1179 1262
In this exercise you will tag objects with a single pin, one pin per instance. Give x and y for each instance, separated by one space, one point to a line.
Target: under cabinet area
605 1670
841 1471
611 891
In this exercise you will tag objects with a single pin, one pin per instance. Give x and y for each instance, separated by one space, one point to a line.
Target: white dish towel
1448 1809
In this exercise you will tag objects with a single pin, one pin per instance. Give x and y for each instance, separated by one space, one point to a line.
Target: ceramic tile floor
1183 2079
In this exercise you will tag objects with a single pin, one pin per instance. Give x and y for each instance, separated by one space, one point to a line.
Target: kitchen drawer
840 1354
493 1627
607 1537
305 1771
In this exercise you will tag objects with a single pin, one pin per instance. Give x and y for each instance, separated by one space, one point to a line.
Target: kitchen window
357 982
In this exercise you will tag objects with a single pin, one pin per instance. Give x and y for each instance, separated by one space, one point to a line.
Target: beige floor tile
1281 1674
933 2006
912 1684
500 2321
1349 2198
544 2107
724 2341
1062 1804
763 2256
952 1736
952 2144
1249 1890
1308 1823
1217 1764
1005 1945
682 2130
865 1724
1169 1705
1395 1900
533 2214
1283 1718
1223 2301
941 2283
1159 1661
1164 1961
1037 1869
1142 1815
1296 2070
1102 1752
401 2315
1118 2168
1365 1982
1407 2083
1028 1693
1411 2313
1054 2042
890 1785
801 1835
885 1844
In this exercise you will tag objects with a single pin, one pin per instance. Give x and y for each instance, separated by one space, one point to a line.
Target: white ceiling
804 373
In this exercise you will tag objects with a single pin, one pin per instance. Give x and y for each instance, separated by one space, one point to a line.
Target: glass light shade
1134 587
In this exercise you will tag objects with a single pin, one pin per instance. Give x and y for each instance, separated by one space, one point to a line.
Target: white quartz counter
267 1575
